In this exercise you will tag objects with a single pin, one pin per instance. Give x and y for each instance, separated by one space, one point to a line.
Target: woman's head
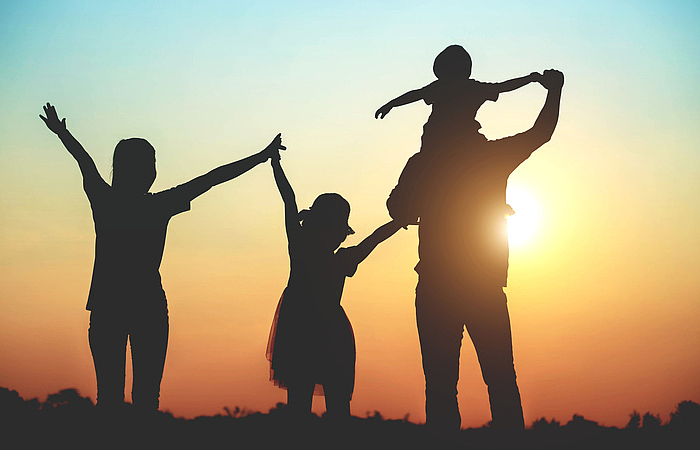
453 62
134 166
327 219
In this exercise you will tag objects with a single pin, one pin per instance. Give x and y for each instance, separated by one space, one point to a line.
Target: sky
603 288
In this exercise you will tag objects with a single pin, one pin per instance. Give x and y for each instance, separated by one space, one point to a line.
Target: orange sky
603 294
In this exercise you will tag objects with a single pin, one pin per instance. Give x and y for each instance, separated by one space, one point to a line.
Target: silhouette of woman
312 347
126 299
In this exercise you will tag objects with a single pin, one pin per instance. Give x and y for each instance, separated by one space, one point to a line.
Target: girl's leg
107 337
149 344
299 398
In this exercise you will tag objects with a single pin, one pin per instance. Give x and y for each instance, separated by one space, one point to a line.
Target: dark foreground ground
67 420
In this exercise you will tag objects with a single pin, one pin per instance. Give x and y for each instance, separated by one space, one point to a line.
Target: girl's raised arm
91 177
291 211
384 232
203 183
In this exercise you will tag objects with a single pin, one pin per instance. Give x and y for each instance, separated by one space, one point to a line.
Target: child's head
327 220
453 62
134 166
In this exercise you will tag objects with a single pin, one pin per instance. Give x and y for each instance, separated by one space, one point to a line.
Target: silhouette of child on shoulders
126 298
455 100
311 348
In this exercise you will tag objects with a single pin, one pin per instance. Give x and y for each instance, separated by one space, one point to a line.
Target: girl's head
327 220
134 166
453 62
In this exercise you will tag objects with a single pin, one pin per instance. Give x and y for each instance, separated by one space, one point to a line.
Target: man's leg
440 333
488 324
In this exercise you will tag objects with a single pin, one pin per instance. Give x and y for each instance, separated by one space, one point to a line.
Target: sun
525 223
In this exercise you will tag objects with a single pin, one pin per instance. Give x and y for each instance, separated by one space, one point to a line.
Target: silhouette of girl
126 298
311 347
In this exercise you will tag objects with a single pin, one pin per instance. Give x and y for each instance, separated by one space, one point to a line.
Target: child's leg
299 398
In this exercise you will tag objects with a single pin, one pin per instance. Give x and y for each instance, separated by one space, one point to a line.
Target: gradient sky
603 293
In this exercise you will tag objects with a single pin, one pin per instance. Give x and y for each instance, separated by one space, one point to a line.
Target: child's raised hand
382 112
272 150
51 120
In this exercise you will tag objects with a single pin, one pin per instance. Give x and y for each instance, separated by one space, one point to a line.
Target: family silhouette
453 189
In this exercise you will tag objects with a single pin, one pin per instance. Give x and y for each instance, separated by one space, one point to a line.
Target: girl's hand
272 150
382 112
51 120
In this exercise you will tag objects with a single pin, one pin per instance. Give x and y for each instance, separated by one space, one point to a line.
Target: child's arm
405 99
291 211
91 176
384 232
515 83
203 183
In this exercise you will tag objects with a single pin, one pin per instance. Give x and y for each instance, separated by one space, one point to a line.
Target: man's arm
516 149
542 130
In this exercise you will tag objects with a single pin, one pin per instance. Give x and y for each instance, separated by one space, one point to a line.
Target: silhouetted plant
580 423
686 415
376 415
635 421
67 400
14 406
237 412
650 421
542 424
278 408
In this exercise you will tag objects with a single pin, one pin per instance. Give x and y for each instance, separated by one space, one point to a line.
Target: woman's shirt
130 238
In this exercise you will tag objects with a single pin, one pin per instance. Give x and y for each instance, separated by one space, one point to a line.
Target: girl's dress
311 339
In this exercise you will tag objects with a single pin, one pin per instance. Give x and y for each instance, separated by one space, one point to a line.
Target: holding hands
552 79
51 120
272 150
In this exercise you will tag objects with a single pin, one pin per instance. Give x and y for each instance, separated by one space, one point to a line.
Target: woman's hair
133 162
453 62
328 210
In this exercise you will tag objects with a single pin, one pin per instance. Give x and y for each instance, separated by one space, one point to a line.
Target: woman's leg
149 345
107 337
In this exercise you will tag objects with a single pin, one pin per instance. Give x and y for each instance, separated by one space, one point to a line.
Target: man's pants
441 314
148 335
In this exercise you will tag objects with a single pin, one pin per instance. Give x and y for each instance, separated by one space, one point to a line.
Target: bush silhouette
686 415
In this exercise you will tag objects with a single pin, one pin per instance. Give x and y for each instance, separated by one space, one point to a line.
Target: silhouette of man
459 193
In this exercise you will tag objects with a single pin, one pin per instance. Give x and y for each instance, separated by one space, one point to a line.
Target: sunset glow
524 225
603 284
